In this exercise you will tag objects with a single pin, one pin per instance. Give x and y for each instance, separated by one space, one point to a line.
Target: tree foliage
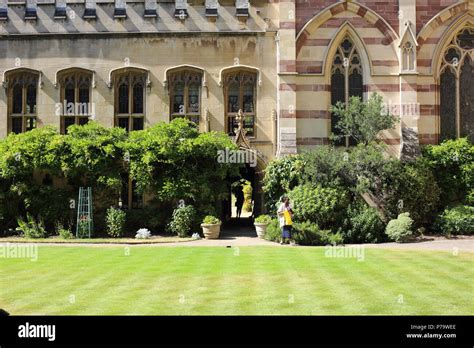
363 120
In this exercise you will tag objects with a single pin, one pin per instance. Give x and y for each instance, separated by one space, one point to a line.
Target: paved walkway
236 236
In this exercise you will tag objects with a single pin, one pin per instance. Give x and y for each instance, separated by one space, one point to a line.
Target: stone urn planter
261 223
211 227
261 229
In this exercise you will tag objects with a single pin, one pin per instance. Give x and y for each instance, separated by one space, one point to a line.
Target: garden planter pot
211 231
261 229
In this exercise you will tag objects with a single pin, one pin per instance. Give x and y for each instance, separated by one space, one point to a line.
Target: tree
363 120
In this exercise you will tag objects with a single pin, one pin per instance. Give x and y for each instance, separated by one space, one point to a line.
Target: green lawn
249 280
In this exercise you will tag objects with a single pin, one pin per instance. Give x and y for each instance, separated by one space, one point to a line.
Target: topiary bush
182 220
363 224
400 229
457 220
322 206
115 220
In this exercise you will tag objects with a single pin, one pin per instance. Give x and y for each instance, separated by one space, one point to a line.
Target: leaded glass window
75 87
457 88
346 81
240 92
22 100
185 94
130 99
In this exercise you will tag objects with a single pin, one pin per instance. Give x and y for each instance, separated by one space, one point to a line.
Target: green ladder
84 226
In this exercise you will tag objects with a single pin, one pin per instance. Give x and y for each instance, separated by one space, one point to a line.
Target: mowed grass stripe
257 280
41 287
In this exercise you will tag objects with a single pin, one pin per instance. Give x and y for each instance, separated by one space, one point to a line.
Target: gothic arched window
130 99
346 80
239 93
75 95
22 98
185 94
457 88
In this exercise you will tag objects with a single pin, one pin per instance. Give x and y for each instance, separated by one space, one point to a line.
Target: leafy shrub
115 222
325 166
361 119
182 220
209 219
32 228
263 219
308 233
363 224
143 233
64 233
273 232
281 176
453 165
323 206
457 220
410 187
400 229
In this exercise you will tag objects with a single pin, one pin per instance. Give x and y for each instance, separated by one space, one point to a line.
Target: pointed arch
346 30
454 73
363 11
442 17
467 20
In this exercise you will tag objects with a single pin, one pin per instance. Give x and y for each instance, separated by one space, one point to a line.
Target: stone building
282 62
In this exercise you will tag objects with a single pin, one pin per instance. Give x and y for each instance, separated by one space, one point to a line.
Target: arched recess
239 67
126 69
346 30
10 72
184 67
346 70
68 70
185 86
329 12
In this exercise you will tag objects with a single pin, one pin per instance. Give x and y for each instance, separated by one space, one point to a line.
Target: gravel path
246 236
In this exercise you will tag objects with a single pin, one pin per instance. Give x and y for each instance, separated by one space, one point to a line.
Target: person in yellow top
285 216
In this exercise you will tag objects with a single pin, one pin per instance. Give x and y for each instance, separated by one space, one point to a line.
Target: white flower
143 233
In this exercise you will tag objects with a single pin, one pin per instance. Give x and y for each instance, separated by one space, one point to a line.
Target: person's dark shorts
286 231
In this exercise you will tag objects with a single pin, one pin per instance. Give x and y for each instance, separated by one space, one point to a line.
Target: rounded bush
400 229
320 205
182 220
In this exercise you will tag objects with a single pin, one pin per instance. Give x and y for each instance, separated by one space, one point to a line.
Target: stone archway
253 171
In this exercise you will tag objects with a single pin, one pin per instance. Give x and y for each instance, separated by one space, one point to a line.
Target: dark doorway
244 200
